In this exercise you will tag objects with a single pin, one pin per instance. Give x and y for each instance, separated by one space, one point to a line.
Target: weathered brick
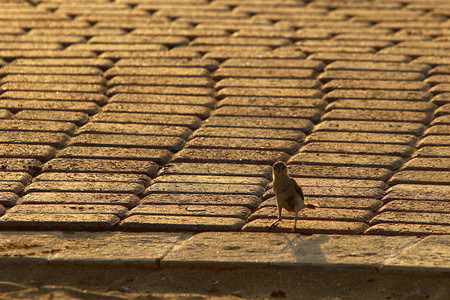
50 70
345 159
374 75
371 126
437 130
435 79
134 129
176 90
425 163
164 99
195 110
180 30
11 186
138 81
421 177
418 192
58 221
286 112
175 53
84 186
367 36
416 206
434 140
378 115
21 177
5 114
377 95
168 41
29 165
50 87
218 169
37 54
156 71
40 152
414 51
191 122
191 210
251 41
399 217
268 82
396 105
182 178
243 143
272 63
271 102
86 31
379 66
29 46
262 73
375 84
358 148
230 156
8 199
68 106
115 47
97 98
442 120
33 126
249 201
180 223
54 139
160 156
78 118
407 229
74 62
432 60
369 57
304 125
439 70
272 134
83 79
77 198
209 64
117 210
94 177
340 202
308 226
269 92
101 166
319 171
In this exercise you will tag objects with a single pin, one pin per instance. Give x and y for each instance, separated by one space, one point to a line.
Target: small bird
288 193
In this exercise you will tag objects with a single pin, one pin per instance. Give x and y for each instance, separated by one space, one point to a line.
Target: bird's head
279 169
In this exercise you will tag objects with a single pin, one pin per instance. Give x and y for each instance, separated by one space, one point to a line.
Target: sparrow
288 193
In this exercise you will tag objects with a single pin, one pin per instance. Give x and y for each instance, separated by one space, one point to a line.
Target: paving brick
414 51
73 62
372 127
174 53
2 210
443 110
377 115
68 106
266 72
58 221
29 165
399 217
379 67
345 159
435 79
251 41
191 210
78 118
387 105
417 192
432 60
258 63
308 113
377 95
29 46
164 99
83 79
66 87
140 81
182 178
374 75
40 126
319 171
340 202
272 134
5 114
191 122
442 120
40 152
424 163
84 186
268 82
94 177
117 210
370 57
201 200
49 70
433 151
209 64
243 143
97 98
286 34
416 206
134 129
308 226
271 102
176 90
197 110
53 139
159 156
421 177
85 32
230 156
358 148
168 41
101 166
259 123
11 186
115 47
156 71
354 215
269 92
37 54
381 37
439 70
77 198
180 223
180 30
437 130
408 229
375 84
218 169
203 188
21 177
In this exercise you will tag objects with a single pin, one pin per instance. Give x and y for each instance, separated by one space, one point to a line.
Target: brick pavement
166 116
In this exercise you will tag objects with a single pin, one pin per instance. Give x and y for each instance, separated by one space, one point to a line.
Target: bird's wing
298 189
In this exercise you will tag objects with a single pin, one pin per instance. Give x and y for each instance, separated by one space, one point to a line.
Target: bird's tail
311 205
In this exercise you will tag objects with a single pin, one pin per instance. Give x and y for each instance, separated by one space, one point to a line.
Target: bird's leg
279 217
297 208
